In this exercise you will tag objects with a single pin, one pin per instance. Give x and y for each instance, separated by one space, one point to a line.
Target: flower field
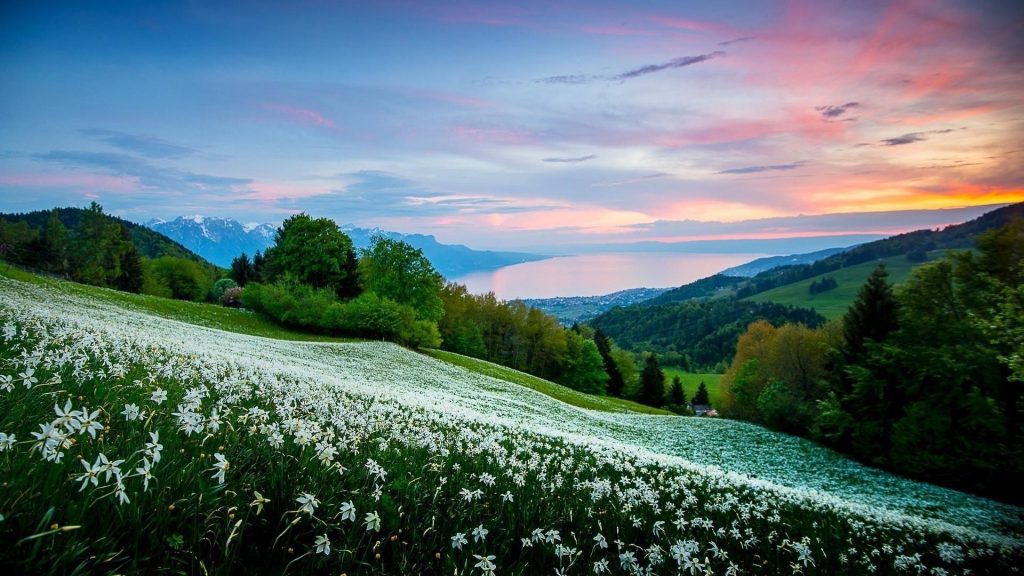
133 443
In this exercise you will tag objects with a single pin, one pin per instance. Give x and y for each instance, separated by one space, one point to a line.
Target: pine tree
652 382
242 269
130 273
55 247
676 394
616 383
701 397
871 317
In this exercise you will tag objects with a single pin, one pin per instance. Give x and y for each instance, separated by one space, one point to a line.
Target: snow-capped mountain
220 240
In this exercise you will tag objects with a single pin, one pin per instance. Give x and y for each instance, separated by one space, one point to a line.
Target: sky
517 124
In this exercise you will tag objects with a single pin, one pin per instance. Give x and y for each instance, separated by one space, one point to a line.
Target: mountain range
220 240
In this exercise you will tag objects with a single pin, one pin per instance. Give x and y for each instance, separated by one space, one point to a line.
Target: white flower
28 378
89 422
323 545
6 441
506 497
67 417
485 564
221 466
601 566
132 412
108 467
91 474
372 522
309 503
6 383
119 491
258 502
348 511
159 396
459 540
479 533
154 447
146 472
601 542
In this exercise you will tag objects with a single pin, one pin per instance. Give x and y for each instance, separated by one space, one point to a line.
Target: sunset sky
513 124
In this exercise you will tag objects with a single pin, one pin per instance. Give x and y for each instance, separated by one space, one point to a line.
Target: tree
701 396
313 251
873 316
616 383
652 382
583 368
55 237
242 269
129 264
183 279
395 270
677 395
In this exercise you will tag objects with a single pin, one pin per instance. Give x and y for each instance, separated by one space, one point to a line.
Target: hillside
150 243
755 267
573 309
703 319
834 303
305 429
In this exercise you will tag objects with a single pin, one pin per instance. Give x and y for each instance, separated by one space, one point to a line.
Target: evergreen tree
259 264
873 316
242 269
701 397
129 268
55 236
351 285
676 394
616 383
652 382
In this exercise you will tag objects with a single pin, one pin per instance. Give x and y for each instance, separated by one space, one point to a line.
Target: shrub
232 297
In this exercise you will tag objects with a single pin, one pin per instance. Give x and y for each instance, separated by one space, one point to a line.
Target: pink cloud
478 135
302 116
273 191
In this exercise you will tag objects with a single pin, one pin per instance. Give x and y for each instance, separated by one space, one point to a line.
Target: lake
595 274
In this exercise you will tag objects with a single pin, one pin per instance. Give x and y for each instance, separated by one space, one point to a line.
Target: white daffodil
348 511
308 503
323 545
221 466
259 502
159 396
372 522
459 540
146 471
480 533
7 441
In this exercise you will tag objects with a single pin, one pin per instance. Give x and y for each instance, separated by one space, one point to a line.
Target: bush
180 278
220 286
232 297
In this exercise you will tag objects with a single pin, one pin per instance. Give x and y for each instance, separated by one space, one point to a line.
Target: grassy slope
238 321
833 304
691 381
198 313
556 391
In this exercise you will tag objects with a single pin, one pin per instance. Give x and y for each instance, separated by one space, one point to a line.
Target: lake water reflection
594 274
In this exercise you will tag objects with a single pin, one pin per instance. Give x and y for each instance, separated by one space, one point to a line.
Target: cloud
834 111
148 146
302 116
912 137
570 160
737 40
148 175
681 62
769 168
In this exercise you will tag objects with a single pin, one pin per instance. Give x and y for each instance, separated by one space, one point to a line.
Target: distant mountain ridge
222 239
755 267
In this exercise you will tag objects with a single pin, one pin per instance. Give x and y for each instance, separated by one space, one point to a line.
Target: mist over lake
595 274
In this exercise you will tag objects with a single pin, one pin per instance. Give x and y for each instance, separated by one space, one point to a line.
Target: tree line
102 251
925 380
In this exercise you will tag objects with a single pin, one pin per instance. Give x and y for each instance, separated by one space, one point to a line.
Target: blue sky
514 124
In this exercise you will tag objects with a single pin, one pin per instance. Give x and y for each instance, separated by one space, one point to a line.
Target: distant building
703 410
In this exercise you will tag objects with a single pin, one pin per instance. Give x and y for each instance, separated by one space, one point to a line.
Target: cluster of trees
522 337
311 278
925 380
101 251
698 335
823 285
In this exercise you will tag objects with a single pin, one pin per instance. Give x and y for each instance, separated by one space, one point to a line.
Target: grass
833 304
197 313
691 381
556 391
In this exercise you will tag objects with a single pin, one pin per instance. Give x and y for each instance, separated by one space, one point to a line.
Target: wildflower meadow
132 443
